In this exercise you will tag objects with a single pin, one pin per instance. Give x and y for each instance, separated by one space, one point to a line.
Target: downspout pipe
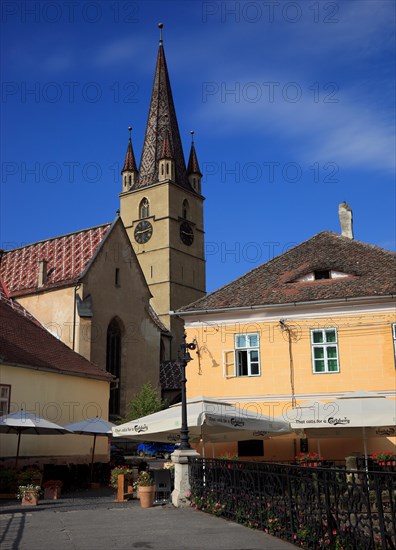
75 315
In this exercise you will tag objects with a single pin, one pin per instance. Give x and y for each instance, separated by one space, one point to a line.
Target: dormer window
324 274
320 274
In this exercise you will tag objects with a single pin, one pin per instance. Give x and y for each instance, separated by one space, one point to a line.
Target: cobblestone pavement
92 520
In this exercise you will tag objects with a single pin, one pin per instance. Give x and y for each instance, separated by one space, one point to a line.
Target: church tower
161 207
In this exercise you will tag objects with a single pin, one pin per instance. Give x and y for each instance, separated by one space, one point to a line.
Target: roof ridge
257 267
270 266
57 237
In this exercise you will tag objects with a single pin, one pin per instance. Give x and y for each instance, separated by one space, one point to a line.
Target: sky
292 104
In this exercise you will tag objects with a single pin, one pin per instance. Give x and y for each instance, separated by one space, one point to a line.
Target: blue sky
292 104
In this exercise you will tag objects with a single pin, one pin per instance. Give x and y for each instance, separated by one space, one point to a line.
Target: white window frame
394 339
325 345
248 349
5 401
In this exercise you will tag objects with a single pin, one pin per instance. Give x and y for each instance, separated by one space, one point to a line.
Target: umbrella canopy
214 421
28 423
355 410
92 426
364 413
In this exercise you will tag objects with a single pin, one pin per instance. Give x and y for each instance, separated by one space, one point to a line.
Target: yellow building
313 324
41 375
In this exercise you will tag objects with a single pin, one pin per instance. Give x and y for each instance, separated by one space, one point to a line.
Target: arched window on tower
144 208
113 364
186 210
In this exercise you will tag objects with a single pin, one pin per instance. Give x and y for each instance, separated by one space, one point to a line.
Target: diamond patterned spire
161 124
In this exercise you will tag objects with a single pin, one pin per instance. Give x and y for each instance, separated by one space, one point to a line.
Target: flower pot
30 498
52 493
147 496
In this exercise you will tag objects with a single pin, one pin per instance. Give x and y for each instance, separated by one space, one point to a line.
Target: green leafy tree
146 401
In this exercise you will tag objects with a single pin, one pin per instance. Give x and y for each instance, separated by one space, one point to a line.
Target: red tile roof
372 272
24 342
67 257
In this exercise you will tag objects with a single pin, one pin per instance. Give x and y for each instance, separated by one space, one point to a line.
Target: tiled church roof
371 270
67 257
24 342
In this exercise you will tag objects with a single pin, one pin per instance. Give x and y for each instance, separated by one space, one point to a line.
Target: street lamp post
183 359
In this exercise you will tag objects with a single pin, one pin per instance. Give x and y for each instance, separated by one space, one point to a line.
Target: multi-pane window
324 350
247 354
5 392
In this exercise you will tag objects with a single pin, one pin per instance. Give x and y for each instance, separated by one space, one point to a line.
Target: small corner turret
129 172
166 164
193 172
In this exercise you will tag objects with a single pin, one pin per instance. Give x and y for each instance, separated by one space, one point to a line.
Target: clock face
186 233
143 232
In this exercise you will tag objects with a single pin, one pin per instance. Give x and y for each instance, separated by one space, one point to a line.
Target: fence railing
312 507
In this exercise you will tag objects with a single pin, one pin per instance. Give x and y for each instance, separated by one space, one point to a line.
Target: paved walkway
93 521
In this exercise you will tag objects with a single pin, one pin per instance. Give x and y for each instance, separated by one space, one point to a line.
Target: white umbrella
91 426
28 423
215 420
367 413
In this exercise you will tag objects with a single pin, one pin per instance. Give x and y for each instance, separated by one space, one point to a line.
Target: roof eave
182 313
107 377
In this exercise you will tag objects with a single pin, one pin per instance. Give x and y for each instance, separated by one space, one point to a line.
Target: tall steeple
162 122
163 210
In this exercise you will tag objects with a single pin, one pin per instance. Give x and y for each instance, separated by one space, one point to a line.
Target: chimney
345 215
42 273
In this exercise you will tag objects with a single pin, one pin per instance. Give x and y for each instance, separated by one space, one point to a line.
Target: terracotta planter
52 493
147 496
30 498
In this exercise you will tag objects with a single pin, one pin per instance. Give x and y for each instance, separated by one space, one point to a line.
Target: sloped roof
13 304
154 316
67 257
371 270
24 342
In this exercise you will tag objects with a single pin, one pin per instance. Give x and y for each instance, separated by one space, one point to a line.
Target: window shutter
228 363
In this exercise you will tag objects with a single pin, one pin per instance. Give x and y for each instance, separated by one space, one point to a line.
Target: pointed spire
130 163
167 150
161 121
193 166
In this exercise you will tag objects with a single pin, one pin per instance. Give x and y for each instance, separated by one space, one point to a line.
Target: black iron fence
312 507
